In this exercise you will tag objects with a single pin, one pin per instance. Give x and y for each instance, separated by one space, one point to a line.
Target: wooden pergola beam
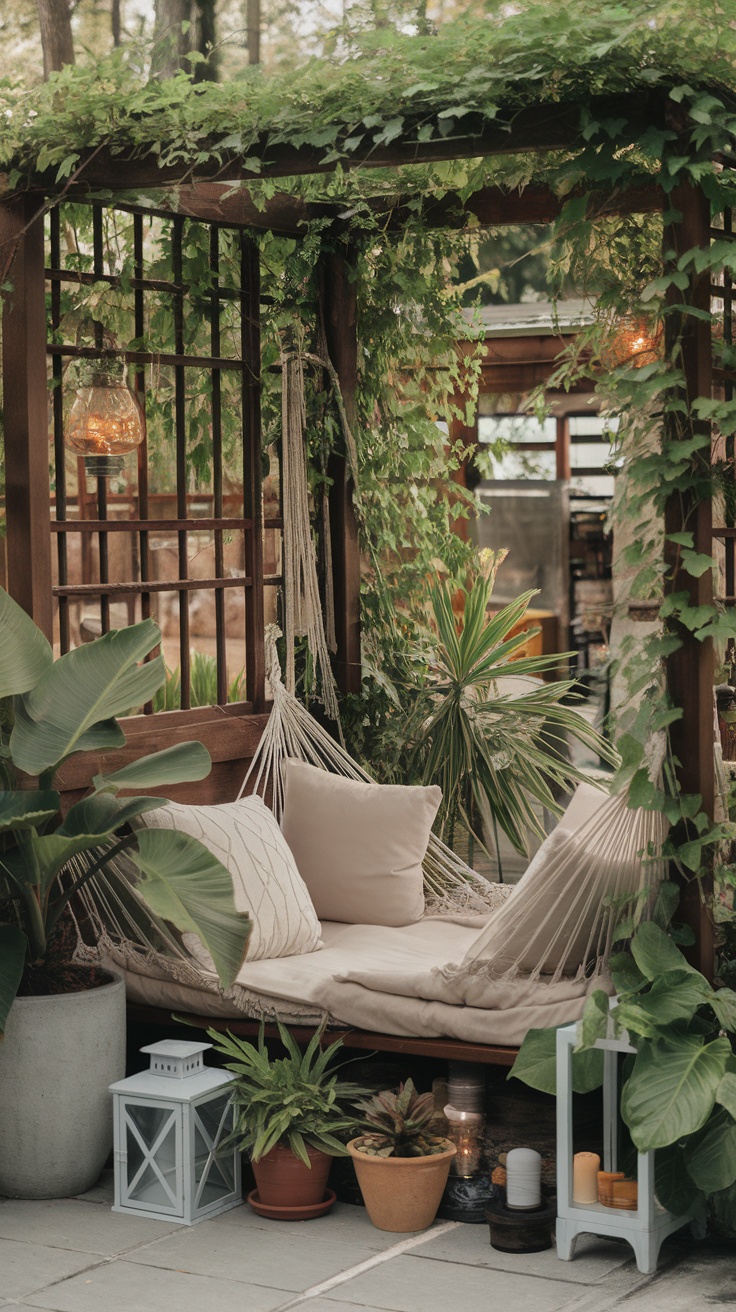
539 128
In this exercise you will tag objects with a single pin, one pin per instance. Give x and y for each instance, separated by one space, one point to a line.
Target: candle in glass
465 1132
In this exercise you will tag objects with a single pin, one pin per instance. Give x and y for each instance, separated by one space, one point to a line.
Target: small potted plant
290 1114
401 1164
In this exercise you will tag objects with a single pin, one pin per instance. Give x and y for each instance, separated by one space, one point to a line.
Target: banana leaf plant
493 753
49 710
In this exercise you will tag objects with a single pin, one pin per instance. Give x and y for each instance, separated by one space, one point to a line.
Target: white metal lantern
647 1223
170 1123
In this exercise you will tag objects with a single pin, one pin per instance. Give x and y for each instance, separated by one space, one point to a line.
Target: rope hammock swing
561 922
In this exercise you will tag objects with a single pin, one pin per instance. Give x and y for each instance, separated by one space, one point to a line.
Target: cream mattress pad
382 978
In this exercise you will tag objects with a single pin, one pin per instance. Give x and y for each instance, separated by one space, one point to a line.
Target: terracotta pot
402 1193
284 1181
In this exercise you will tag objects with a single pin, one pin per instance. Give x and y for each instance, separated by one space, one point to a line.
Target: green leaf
183 763
184 883
696 563
594 1022
626 976
673 1186
81 693
536 1064
723 1002
711 1157
654 952
672 1088
726 1093
675 996
25 653
27 810
13 948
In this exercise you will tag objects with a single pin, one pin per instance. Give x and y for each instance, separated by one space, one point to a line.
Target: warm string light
105 423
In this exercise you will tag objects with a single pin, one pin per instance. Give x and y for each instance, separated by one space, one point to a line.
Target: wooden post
458 431
27 489
340 324
690 670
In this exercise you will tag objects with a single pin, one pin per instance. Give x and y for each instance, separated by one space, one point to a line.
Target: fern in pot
402 1165
291 1118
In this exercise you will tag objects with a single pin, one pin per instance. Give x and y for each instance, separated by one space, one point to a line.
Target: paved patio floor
75 1255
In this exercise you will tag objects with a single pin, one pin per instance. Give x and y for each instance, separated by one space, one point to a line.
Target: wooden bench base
482 1054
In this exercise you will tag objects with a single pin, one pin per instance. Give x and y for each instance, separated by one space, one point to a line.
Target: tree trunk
56 35
206 41
172 45
254 31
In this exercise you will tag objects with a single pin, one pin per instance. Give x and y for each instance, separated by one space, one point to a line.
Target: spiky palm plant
297 1100
493 755
402 1122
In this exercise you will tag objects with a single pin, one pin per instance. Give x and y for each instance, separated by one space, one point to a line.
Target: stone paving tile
253 1255
103 1191
27 1267
346 1222
69 1223
324 1304
124 1287
407 1284
699 1283
595 1259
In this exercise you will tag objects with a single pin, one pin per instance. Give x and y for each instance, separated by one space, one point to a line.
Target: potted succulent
401 1164
64 1032
290 1116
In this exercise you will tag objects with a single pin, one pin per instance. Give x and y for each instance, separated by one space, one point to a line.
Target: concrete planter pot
402 1194
59 1055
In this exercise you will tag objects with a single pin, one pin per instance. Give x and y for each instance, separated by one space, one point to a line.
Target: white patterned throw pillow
267 885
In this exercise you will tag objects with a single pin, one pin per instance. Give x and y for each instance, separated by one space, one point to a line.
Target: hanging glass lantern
105 423
170 1124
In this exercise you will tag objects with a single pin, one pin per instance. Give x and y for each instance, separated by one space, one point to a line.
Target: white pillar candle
585 1168
523 1179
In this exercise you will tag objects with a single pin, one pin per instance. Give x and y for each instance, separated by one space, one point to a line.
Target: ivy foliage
387 86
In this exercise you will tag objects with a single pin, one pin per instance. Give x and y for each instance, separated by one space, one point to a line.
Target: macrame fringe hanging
302 605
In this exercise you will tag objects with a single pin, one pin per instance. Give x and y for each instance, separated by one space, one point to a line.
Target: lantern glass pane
151 1153
214 1169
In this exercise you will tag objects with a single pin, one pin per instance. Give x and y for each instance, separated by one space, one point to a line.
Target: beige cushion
267 885
359 847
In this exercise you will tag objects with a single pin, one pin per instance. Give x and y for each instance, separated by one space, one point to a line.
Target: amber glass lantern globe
105 423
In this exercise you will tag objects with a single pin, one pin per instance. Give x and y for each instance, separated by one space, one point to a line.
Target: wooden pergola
208 195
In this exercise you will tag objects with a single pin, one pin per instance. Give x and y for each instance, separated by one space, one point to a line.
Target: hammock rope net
586 878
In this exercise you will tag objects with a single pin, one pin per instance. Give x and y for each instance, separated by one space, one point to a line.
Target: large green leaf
675 996
101 814
183 763
723 1002
726 1093
536 1064
82 692
654 952
24 651
711 1156
88 825
672 1088
27 810
674 1187
13 948
184 883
